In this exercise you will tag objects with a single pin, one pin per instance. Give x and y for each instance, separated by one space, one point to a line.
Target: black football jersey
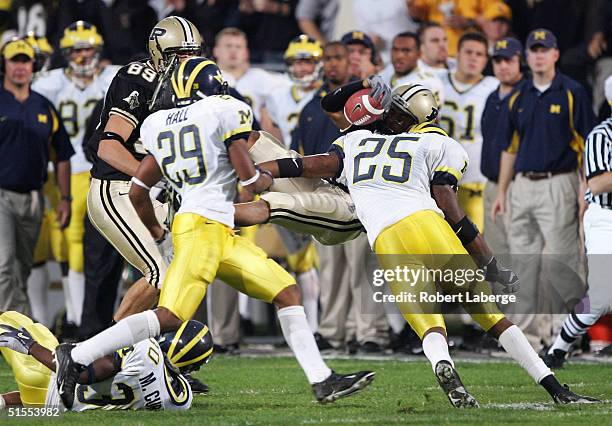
128 97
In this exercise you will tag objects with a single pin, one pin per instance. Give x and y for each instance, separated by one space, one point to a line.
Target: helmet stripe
175 340
186 29
175 359
194 361
194 74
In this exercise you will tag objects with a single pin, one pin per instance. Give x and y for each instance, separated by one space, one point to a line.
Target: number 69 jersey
144 382
389 176
190 146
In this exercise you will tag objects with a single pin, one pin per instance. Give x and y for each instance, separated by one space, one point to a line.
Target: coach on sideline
547 123
29 125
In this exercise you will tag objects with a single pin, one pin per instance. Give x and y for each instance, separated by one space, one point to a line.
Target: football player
466 91
42 51
146 376
74 91
434 50
202 164
403 184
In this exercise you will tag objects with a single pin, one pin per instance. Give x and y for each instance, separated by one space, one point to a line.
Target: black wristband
113 136
465 230
334 101
290 167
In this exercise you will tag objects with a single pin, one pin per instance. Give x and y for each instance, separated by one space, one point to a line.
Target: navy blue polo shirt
30 135
315 131
493 143
547 129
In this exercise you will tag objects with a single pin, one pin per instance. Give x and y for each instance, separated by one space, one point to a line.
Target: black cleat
338 386
322 343
453 388
68 373
554 360
566 396
370 348
197 386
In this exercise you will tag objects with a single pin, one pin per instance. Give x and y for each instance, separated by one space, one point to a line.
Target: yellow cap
497 10
17 47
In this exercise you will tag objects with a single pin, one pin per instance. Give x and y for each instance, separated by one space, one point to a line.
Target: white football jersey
461 115
74 105
189 144
415 76
451 65
255 85
144 382
388 176
284 106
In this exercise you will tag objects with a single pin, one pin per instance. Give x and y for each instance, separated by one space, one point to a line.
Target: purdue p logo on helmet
173 36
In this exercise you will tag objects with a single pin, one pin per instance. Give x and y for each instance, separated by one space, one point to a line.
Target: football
361 109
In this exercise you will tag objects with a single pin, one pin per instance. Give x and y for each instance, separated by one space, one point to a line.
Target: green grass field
274 391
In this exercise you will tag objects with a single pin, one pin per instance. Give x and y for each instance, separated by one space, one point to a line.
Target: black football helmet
195 78
188 348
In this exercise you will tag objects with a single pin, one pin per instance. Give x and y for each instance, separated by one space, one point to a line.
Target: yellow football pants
426 240
203 249
31 376
471 200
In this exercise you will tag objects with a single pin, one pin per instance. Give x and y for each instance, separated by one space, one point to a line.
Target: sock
575 325
309 284
70 317
551 384
76 282
301 341
435 348
38 291
126 332
244 306
516 344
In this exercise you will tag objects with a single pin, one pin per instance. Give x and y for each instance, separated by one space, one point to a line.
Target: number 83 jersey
389 176
190 145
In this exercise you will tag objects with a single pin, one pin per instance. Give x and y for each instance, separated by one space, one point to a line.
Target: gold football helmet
42 50
173 37
304 47
411 104
82 35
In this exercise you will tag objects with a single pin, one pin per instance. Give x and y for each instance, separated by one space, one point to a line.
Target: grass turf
274 391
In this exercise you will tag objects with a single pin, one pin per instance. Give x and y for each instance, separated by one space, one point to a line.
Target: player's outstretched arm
145 177
311 166
252 178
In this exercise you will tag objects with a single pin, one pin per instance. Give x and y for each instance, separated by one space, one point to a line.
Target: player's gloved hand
380 90
496 272
18 340
164 244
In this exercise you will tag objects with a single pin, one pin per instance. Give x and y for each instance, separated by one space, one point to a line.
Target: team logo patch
42 118
132 100
555 109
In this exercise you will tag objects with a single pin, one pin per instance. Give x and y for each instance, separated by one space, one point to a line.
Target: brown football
361 109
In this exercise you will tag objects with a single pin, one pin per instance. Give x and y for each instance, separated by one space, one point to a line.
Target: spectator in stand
317 18
434 50
363 60
496 25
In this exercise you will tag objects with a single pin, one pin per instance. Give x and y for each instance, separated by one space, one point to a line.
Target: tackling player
466 91
74 91
202 164
403 185
145 376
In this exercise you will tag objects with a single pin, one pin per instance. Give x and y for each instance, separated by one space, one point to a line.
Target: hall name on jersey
153 399
177 117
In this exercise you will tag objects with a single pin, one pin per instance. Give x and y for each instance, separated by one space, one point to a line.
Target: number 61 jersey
389 177
190 145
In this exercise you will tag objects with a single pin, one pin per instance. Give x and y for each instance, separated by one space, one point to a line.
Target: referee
598 239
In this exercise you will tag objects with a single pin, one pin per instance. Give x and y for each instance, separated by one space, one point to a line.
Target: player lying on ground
147 375
202 165
403 185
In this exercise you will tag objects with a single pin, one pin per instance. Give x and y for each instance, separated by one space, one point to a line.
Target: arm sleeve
334 101
448 163
128 100
236 122
60 141
584 117
507 130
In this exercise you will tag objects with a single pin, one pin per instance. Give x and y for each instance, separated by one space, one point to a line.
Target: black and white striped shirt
598 159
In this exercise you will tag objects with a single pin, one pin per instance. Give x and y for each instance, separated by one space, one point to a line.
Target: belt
543 175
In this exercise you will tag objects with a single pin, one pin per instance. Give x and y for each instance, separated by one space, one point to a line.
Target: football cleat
68 373
554 360
566 396
450 382
198 387
338 386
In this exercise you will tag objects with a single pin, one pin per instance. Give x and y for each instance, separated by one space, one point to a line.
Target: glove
380 90
18 340
164 244
495 272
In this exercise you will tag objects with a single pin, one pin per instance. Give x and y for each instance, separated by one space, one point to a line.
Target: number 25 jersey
389 176
190 145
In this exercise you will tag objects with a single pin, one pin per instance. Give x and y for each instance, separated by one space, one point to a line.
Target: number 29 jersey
389 176
190 145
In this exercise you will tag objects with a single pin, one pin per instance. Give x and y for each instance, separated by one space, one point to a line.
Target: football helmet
196 78
304 47
173 37
411 104
188 348
82 35
42 50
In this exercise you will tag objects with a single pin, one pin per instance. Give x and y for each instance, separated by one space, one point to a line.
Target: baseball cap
608 89
357 37
17 47
497 10
541 37
507 47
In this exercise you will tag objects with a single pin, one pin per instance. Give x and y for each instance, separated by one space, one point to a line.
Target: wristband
251 180
465 230
113 136
140 183
290 167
